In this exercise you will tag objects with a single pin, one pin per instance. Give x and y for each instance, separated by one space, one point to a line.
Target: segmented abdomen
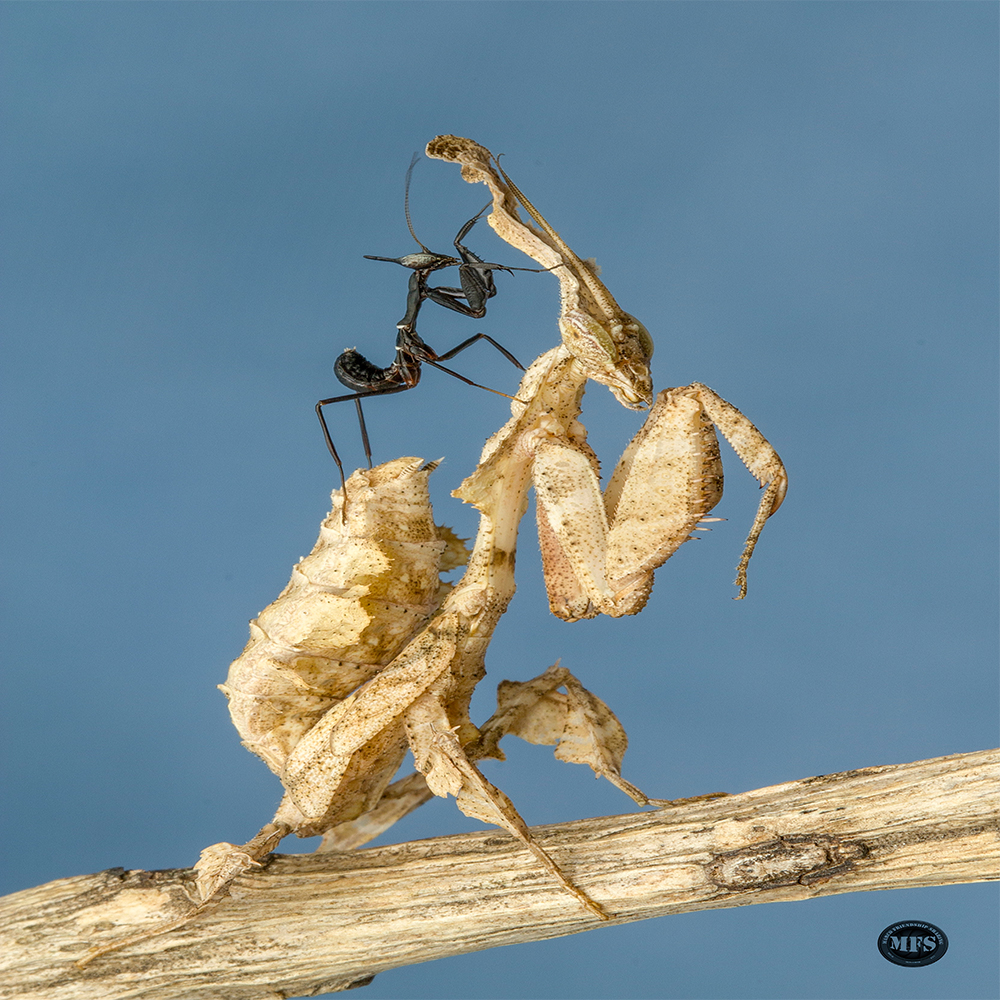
369 584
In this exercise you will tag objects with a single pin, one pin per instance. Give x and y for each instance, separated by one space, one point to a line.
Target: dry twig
315 923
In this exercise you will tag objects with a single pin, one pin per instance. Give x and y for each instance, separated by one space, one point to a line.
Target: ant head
427 261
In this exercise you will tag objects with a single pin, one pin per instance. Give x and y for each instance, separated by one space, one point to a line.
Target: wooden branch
325 922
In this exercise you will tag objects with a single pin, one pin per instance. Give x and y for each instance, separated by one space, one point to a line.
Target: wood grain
317 923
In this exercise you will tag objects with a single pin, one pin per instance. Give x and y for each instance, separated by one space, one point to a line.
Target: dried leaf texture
368 586
580 726
343 764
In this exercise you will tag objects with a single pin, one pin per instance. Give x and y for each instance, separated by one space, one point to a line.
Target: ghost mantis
599 551
361 657
336 741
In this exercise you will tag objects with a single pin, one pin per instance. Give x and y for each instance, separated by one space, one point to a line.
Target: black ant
367 379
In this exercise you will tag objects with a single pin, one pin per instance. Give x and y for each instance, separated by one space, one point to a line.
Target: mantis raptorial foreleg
599 552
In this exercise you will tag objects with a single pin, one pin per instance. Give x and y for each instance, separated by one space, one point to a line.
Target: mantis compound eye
642 335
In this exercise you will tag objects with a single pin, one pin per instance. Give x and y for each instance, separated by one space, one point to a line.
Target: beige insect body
369 584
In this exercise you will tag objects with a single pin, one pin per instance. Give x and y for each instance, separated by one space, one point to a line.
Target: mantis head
611 346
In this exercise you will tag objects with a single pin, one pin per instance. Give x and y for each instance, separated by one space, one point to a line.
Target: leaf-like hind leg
482 800
581 726
450 770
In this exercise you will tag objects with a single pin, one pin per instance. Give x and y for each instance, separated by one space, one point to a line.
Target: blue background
799 201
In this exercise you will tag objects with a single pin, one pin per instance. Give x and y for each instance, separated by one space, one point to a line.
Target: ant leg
364 432
474 274
467 381
329 440
480 336
477 283
357 397
476 278
415 295
451 298
467 228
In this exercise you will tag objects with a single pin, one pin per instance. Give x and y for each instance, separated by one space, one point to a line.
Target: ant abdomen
355 371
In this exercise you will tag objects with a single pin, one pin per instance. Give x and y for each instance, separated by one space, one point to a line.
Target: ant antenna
406 202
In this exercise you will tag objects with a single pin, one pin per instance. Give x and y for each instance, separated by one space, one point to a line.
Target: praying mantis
351 667
366 653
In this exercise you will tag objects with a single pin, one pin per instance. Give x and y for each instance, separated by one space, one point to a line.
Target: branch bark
319 923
